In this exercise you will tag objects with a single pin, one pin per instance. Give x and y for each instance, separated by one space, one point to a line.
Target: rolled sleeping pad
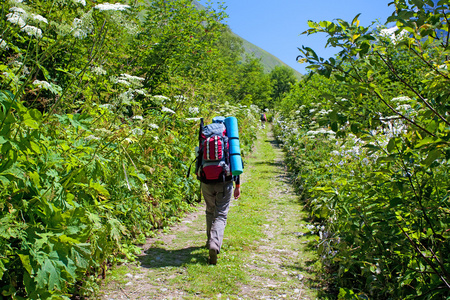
235 150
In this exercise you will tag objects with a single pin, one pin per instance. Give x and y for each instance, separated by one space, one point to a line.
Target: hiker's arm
237 189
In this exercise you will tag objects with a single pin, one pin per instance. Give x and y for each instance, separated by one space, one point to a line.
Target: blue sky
275 26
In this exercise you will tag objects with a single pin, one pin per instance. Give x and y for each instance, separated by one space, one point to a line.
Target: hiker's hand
237 192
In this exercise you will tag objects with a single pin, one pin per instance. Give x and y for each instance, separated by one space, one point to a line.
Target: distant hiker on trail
218 153
263 120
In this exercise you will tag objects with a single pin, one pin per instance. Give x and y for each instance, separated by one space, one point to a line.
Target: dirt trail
267 251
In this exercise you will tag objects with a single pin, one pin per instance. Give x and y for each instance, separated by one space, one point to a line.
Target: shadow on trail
159 258
274 143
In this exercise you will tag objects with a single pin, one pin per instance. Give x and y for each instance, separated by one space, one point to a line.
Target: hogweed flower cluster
114 7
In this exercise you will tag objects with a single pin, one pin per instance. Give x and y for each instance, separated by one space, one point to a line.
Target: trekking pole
200 157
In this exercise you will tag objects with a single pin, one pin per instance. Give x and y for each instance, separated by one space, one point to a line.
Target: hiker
213 169
218 197
263 120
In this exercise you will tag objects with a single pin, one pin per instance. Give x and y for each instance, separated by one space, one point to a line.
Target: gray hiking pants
217 197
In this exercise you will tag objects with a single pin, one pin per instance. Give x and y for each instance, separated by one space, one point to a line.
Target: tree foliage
98 117
283 80
370 148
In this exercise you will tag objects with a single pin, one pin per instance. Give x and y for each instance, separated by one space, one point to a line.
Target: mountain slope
269 61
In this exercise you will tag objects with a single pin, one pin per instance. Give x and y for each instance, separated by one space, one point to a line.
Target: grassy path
266 252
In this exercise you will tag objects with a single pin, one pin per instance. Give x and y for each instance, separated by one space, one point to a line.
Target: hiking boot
212 257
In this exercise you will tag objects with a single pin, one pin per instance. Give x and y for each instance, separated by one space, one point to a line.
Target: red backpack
213 160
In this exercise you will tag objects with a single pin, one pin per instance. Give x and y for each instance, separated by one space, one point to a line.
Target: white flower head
141 92
42 84
161 99
92 137
15 19
137 118
32 31
3 45
108 6
132 80
56 89
194 110
401 99
107 106
127 96
166 109
83 26
180 98
153 126
39 18
98 70
82 2
19 11
137 131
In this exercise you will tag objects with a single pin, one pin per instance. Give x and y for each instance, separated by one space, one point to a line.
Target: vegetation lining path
266 252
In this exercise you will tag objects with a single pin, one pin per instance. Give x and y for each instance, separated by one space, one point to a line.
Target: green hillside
268 60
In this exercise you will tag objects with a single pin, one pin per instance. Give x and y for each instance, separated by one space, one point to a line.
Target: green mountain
268 60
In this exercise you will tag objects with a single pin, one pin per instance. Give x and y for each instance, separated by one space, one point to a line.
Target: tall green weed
93 158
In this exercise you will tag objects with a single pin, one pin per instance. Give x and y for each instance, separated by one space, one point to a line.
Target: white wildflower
312 110
131 77
335 153
129 140
153 126
32 31
401 99
404 107
107 106
104 131
137 131
3 45
166 109
156 137
82 2
193 119
79 34
137 118
19 11
15 19
109 6
180 98
141 92
92 137
122 82
39 18
82 27
42 84
127 96
161 98
97 70
194 110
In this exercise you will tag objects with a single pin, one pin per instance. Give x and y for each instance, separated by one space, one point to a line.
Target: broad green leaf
26 263
99 188
432 156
